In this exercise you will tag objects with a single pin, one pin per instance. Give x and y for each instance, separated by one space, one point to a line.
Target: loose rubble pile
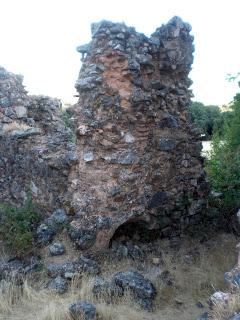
136 156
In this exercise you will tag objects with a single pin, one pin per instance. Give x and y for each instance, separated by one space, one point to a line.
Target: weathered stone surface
34 141
64 269
15 268
102 287
59 217
83 237
59 285
143 290
82 309
45 233
219 297
57 249
233 277
69 269
89 266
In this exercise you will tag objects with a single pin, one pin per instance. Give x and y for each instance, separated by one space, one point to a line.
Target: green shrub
17 226
223 165
66 118
208 118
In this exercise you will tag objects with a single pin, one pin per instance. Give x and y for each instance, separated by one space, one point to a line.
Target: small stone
103 222
10 112
122 251
59 216
219 297
156 261
84 309
168 121
61 269
199 305
89 266
158 199
59 285
45 233
18 134
83 48
114 191
12 267
21 112
6 120
88 156
179 302
83 238
5 102
129 138
233 277
127 157
166 144
57 249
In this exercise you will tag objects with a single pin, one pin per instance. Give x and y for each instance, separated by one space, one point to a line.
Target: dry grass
205 273
192 282
29 303
227 310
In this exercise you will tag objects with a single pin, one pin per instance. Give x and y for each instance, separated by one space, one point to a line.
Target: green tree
223 165
208 118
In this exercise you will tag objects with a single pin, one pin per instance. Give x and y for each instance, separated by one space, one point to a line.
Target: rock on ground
81 308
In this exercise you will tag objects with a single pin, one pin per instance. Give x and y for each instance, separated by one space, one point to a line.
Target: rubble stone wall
136 156
139 154
36 152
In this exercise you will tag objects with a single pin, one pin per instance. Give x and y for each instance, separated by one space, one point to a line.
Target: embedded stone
45 233
102 287
89 266
59 285
143 290
88 156
57 249
62 269
59 216
83 238
21 112
166 144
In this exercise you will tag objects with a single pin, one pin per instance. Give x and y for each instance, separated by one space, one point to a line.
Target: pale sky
38 39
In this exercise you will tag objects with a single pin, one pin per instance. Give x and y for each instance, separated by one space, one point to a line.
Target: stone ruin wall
35 149
136 156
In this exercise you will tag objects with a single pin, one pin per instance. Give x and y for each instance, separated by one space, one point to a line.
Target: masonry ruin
136 156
